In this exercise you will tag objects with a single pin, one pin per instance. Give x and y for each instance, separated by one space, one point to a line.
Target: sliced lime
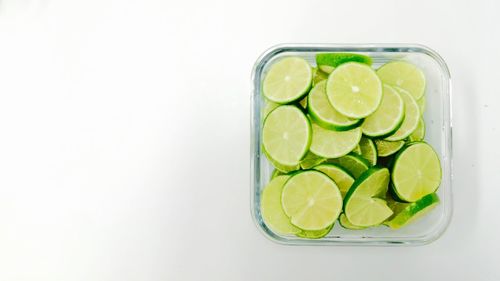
326 68
336 59
367 150
412 116
311 200
388 117
280 167
345 223
286 135
272 212
386 148
332 144
416 172
404 75
323 113
362 204
354 164
419 132
354 90
311 160
314 234
318 76
339 175
287 80
412 211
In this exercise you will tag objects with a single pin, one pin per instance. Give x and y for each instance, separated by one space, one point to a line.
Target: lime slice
268 107
388 117
412 211
354 90
367 150
333 144
286 135
326 68
323 113
419 132
311 200
314 234
318 76
345 223
404 75
354 164
339 175
336 59
421 105
270 206
386 148
412 116
311 160
280 167
276 173
416 172
362 204
287 80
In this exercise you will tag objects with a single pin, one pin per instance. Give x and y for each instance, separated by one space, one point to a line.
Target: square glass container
438 121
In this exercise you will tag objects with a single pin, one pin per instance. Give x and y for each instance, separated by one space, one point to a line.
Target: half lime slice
403 75
354 90
311 200
333 144
413 211
339 175
287 80
412 116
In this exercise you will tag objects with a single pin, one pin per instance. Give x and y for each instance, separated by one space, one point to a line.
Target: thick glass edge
255 135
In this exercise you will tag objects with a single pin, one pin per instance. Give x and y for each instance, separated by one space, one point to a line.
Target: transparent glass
438 133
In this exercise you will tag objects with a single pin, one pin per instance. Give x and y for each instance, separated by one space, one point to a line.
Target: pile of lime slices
347 144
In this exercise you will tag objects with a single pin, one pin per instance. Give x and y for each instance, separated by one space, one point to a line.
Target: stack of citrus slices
347 144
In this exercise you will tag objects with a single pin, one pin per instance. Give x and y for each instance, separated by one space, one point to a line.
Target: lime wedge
354 164
386 148
388 117
419 132
362 205
345 223
412 116
335 59
314 234
403 75
412 211
366 149
416 172
323 113
421 105
286 135
339 175
311 160
311 200
354 90
287 80
272 213
318 76
333 144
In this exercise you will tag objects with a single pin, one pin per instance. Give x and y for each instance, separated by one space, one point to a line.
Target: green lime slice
403 75
336 59
339 175
280 167
323 113
366 149
421 105
272 213
416 172
388 117
362 205
412 211
276 173
287 80
311 200
345 223
318 76
419 133
412 116
354 164
326 68
354 90
268 107
286 135
314 234
311 160
386 148
333 144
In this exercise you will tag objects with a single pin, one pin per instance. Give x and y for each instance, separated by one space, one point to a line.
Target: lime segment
412 116
314 234
354 90
413 211
311 200
404 75
341 177
333 144
311 160
354 164
287 80
345 223
386 148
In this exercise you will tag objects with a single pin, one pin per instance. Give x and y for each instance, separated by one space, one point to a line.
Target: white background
125 140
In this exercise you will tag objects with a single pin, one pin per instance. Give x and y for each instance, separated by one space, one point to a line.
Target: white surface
124 145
